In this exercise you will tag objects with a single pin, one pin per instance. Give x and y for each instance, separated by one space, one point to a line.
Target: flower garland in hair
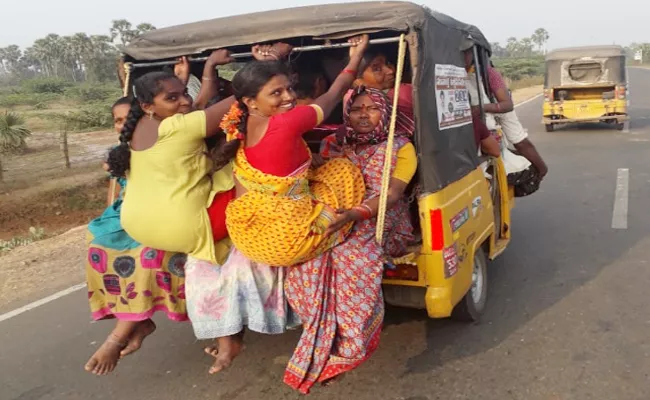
230 123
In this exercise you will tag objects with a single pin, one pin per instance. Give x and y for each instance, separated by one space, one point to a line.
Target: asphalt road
567 315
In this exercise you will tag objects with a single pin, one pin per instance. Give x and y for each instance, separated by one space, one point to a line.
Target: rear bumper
618 118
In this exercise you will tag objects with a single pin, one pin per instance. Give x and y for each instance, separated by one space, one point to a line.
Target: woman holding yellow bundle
286 213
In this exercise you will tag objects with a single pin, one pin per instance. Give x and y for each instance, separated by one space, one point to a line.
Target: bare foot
144 329
229 349
212 350
105 359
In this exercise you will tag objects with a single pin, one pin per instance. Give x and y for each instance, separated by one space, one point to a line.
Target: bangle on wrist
364 210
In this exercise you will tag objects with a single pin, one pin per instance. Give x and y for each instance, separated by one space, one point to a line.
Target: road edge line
529 100
43 301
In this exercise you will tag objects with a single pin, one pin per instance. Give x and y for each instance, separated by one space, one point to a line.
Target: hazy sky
570 22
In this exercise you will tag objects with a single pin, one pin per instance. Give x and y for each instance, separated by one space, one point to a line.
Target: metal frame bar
477 71
236 56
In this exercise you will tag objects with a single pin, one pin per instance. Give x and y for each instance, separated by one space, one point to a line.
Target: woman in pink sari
338 294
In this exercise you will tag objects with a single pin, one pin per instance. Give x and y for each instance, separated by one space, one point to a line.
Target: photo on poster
452 97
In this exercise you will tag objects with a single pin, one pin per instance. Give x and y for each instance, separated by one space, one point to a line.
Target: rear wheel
620 126
473 304
550 127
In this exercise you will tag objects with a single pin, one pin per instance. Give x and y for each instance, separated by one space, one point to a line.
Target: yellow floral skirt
133 284
283 225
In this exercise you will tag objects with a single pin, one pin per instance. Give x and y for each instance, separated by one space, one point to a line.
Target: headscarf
380 133
404 125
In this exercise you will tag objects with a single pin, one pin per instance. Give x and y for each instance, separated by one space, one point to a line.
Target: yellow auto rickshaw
585 84
463 217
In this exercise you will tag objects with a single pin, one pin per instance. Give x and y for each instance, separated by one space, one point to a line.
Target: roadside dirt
55 206
43 267
521 95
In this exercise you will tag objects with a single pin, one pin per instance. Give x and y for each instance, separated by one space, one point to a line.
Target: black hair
308 72
121 101
374 52
248 82
145 89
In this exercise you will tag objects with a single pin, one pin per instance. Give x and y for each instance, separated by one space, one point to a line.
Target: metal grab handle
248 54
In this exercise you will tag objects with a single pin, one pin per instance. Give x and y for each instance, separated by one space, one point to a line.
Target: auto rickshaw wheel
620 126
473 304
550 127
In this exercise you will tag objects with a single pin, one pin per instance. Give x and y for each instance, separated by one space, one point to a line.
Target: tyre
550 127
620 126
471 307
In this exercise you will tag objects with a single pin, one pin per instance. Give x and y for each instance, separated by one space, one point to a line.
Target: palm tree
49 52
526 45
512 46
30 62
9 59
144 27
70 56
82 47
13 133
122 30
125 32
540 38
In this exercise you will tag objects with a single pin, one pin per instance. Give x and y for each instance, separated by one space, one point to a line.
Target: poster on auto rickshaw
452 97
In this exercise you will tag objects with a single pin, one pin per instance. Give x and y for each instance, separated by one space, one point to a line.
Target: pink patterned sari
338 295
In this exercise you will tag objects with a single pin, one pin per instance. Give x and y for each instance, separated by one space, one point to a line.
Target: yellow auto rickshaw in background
585 84
459 224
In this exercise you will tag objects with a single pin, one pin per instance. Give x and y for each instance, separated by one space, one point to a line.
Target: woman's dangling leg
141 331
226 350
107 356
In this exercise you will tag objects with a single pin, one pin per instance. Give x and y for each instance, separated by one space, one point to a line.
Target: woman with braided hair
126 280
171 196
133 269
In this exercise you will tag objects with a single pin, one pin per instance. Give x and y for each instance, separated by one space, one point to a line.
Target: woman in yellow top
286 213
338 294
169 187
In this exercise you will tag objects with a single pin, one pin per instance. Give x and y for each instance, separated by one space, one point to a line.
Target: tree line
79 57
644 48
531 46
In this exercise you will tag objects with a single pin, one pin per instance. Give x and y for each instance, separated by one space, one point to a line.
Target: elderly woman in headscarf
338 294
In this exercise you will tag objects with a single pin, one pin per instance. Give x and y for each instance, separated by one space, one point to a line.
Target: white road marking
619 215
38 303
80 286
529 100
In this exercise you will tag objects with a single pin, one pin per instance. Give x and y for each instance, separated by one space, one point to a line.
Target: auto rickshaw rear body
585 84
462 217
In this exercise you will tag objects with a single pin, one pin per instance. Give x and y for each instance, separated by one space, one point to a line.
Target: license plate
582 108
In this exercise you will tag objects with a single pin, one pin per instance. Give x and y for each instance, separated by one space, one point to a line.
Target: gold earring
150 114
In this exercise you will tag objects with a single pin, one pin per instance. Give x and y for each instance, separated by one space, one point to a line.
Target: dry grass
526 82
44 159
39 120
526 93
